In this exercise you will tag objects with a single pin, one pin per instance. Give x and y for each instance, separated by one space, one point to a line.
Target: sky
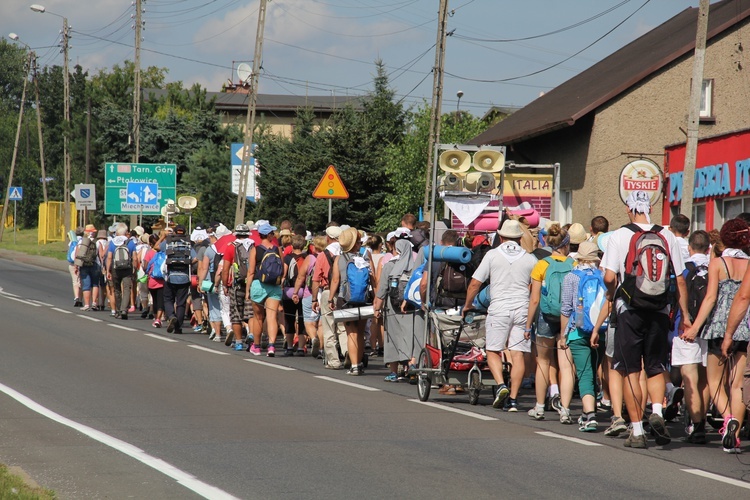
500 52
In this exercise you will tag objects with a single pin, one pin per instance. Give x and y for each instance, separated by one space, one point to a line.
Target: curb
35 260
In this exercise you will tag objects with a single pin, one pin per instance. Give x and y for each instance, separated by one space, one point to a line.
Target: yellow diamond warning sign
331 186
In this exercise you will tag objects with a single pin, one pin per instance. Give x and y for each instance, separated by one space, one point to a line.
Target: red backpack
649 281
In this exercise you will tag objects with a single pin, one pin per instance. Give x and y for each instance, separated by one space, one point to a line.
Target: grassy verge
26 242
14 486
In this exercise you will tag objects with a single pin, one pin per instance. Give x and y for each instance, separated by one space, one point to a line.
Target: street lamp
66 114
459 94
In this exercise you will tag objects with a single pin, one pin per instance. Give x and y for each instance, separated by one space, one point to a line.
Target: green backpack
552 286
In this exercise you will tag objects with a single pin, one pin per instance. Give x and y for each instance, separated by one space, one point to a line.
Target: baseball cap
333 232
180 229
266 228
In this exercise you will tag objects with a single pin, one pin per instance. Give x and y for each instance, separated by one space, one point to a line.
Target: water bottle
579 313
469 318
394 282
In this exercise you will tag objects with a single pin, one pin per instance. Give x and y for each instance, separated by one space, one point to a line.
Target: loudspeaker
451 182
487 160
480 182
454 161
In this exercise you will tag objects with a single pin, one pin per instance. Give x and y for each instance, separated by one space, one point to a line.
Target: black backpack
178 254
696 280
452 281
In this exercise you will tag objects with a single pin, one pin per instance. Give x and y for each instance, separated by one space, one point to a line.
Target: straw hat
588 251
511 229
333 232
285 232
89 228
144 238
577 234
348 239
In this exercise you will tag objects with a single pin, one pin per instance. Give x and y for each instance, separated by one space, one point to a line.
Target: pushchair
454 354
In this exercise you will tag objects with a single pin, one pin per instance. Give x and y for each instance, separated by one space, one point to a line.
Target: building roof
613 75
228 101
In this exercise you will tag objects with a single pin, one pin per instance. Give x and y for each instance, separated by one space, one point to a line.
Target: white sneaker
537 413
565 416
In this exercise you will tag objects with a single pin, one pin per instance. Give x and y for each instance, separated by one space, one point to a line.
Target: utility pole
88 140
239 215
39 128
15 150
437 101
137 91
66 133
691 148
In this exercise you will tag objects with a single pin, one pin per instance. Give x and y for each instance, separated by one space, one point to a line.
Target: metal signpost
16 195
85 196
331 187
138 188
238 153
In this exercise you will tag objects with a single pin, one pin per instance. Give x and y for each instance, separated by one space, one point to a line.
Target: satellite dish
187 202
244 72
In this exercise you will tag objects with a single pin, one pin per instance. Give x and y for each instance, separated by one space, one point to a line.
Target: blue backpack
357 286
156 265
271 268
591 298
552 286
412 293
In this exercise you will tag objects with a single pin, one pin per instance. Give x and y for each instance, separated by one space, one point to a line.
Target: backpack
241 261
649 277
552 287
85 252
452 281
72 252
293 271
156 265
356 287
271 267
121 258
330 258
696 280
397 288
412 293
178 255
591 298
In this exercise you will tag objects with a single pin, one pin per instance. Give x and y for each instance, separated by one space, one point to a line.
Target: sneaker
77 303
197 328
271 351
659 429
728 435
113 313
391 377
526 384
86 308
603 406
695 433
511 405
587 424
617 427
288 353
219 338
537 413
230 338
96 308
674 398
156 323
354 370
334 367
238 346
124 315
635 441
502 393
565 416
315 348
302 352
254 350
212 336
131 309
171 324
145 313
555 403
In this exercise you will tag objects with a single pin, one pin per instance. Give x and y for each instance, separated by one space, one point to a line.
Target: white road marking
453 410
89 318
350 384
61 310
717 477
187 480
278 367
567 438
41 303
14 297
123 327
207 349
159 337
8 294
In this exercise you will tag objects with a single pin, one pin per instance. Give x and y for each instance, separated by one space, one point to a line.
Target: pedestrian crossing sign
331 186
15 193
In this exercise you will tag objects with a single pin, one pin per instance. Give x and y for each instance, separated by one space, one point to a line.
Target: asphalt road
93 407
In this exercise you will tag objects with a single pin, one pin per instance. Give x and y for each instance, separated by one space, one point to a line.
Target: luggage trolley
454 354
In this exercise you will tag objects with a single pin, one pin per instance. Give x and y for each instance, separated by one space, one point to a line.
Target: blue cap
266 228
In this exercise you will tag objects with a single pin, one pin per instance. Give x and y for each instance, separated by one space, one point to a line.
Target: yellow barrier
51 227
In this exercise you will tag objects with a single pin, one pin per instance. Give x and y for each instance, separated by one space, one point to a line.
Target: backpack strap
690 266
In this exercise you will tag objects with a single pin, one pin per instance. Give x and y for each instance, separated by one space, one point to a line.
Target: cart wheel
475 386
424 379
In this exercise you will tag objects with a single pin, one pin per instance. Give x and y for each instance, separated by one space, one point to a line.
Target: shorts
307 312
689 353
214 308
547 329
197 297
259 292
239 308
506 330
642 335
90 277
714 346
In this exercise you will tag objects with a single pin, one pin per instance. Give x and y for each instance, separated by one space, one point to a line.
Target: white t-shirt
508 268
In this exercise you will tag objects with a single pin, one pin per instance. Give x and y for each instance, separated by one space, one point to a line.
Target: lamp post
459 94
66 115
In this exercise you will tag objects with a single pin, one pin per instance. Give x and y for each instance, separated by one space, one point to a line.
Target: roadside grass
14 486
26 242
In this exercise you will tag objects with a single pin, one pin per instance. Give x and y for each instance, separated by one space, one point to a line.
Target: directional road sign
16 193
251 188
331 186
143 193
85 196
161 179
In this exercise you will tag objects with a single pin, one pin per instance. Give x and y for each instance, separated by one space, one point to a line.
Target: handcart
454 354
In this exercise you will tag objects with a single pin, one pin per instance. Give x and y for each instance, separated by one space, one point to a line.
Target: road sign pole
330 203
15 217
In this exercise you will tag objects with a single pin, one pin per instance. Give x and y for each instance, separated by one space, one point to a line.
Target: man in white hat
641 342
508 268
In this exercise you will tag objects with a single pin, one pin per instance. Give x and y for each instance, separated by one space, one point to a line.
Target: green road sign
118 175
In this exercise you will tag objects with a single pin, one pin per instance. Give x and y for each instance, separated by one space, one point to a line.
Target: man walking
177 282
120 261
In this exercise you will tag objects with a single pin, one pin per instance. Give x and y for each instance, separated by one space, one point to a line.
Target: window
698 220
733 207
565 208
707 97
